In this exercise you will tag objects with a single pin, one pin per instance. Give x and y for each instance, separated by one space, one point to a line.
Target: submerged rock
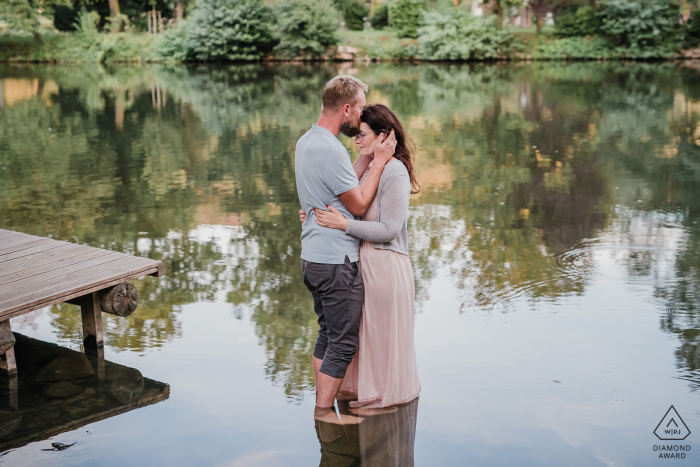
66 367
63 389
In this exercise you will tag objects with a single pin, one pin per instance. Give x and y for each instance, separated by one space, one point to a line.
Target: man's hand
384 149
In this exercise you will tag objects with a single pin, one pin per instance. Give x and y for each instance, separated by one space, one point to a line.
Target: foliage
135 10
584 22
574 48
173 43
406 17
306 27
72 47
382 44
86 25
380 17
692 32
456 34
354 12
646 27
25 16
235 30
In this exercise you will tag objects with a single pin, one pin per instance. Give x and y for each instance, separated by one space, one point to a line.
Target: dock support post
14 396
98 356
92 320
8 344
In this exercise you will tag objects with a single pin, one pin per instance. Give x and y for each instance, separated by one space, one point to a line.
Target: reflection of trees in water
516 164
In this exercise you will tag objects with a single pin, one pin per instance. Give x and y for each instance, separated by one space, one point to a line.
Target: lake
555 245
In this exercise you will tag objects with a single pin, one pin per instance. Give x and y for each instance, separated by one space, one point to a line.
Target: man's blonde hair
341 90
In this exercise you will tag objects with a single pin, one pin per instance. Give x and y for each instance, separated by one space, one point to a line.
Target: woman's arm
394 209
361 165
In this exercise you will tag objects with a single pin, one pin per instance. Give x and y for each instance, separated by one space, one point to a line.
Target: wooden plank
65 296
10 234
42 259
7 235
69 261
32 250
77 281
71 277
95 258
18 239
12 248
92 320
159 272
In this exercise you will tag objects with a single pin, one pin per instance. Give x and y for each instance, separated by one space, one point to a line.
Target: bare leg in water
327 388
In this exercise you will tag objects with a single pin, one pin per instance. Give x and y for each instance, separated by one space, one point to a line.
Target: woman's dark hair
382 120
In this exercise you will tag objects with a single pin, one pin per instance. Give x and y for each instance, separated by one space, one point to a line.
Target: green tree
641 25
306 27
456 34
354 13
234 30
406 16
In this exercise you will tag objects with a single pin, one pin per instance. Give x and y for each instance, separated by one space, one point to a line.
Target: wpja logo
671 428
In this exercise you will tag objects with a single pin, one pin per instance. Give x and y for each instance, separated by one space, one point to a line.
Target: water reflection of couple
358 271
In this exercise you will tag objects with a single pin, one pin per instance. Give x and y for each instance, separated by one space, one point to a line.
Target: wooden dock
37 272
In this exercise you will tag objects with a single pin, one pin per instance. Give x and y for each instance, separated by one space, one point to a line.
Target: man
325 177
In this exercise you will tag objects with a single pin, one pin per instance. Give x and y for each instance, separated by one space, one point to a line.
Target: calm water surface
556 247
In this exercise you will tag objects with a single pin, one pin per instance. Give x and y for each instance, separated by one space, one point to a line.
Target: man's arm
358 199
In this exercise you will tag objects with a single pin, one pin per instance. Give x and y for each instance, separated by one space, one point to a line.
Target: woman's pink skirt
384 371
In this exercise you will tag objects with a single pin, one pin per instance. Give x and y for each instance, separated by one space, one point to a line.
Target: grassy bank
74 47
377 44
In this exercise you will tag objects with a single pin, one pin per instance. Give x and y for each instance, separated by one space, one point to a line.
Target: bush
380 18
173 45
306 27
406 17
647 28
86 25
456 34
585 22
354 12
229 30
574 48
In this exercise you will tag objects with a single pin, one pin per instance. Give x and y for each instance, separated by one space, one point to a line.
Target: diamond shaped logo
671 427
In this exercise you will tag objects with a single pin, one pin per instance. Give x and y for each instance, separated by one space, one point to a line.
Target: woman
384 371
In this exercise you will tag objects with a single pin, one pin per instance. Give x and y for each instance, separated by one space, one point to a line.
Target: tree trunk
179 12
113 12
37 36
499 14
540 23
120 300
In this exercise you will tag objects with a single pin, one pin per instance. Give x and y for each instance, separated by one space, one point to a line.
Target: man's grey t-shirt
323 171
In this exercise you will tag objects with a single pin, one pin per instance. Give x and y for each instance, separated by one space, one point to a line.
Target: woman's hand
332 219
302 216
384 149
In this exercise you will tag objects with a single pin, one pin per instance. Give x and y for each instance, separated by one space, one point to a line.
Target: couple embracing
355 253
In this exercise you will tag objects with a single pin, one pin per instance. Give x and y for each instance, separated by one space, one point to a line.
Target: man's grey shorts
338 292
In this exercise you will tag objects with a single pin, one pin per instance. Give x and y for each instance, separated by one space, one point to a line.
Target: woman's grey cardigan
390 232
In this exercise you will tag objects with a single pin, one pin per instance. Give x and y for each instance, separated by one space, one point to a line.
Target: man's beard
350 129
